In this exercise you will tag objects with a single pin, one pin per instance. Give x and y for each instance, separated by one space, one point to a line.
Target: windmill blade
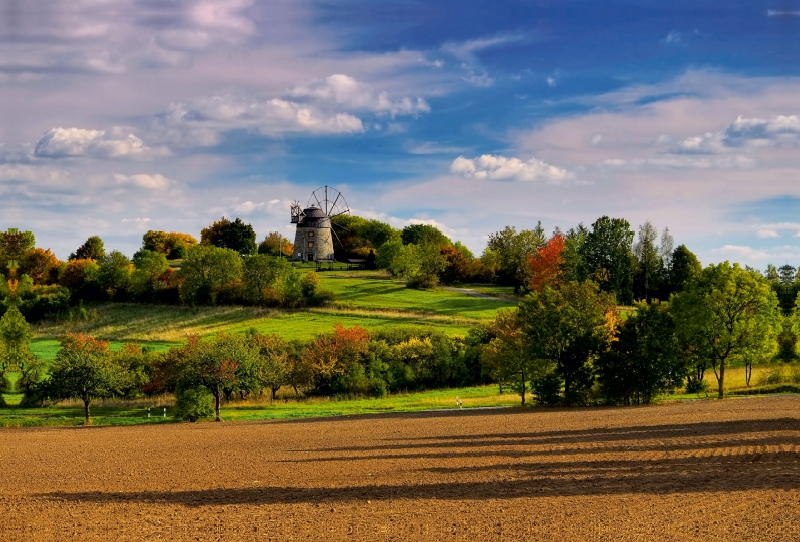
337 237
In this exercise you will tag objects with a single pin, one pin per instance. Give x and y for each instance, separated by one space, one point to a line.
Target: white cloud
64 142
744 133
551 81
682 162
156 182
493 167
431 147
345 90
248 207
136 220
782 13
199 122
465 50
754 256
323 107
673 37
767 234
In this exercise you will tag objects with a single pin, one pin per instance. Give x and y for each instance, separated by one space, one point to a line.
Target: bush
377 387
193 403
694 385
547 389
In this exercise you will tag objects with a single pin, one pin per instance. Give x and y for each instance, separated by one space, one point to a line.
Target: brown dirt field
711 470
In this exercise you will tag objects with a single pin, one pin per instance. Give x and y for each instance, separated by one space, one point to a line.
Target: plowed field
710 470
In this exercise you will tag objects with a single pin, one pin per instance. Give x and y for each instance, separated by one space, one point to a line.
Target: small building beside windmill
312 241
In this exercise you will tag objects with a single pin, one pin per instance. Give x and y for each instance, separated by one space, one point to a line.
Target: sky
119 116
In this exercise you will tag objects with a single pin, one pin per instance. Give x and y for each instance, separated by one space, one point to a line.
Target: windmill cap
314 212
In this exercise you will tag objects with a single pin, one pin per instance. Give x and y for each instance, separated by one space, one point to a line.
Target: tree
419 265
573 267
645 360
273 360
81 277
205 270
684 265
507 356
276 244
607 257
39 264
92 249
114 274
456 266
727 314
510 251
13 246
145 280
173 245
424 234
547 263
568 327
262 275
649 270
332 355
84 370
223 362
234 235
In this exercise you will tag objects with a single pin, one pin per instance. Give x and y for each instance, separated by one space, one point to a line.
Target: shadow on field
658 459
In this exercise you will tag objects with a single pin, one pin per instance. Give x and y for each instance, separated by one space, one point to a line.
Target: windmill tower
313 241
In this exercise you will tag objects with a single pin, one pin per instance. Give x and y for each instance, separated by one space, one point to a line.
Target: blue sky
130 115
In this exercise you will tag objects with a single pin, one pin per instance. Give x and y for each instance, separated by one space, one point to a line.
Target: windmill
313 241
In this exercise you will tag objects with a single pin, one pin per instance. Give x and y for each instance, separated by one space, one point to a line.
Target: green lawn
388 294
135 412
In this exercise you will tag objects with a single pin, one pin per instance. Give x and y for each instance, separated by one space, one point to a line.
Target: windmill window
311 244
311 234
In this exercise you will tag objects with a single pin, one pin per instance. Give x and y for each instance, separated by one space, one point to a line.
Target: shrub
547 389
193 403
694 385
377 387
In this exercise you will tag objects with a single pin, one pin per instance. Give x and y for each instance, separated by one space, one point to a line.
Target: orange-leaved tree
333 354
546 264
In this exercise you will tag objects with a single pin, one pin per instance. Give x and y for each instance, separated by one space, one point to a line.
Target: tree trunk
748 372
721 380
88 420
216 407
274 392
522 386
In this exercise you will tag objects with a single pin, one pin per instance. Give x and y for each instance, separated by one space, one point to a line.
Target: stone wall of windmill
313 240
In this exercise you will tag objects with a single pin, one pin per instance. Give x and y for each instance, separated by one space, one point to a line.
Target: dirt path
710 470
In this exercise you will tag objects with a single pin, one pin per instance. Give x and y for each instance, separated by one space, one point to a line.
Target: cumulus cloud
757 256
63 142
493 167
744 133
323 107
673 37
351 93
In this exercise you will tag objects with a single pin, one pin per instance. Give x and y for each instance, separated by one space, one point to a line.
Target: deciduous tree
83 369
606 254
235 235
205 270
547 263
728 314
568 327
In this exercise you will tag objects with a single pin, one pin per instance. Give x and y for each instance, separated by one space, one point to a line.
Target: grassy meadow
367 298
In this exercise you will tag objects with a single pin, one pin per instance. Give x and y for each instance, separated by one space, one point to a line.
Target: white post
148 412
165 412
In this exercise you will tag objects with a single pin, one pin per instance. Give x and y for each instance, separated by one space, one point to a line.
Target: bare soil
711 470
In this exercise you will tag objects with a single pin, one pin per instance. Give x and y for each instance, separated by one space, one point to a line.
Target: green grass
388 294
162 325
135 412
